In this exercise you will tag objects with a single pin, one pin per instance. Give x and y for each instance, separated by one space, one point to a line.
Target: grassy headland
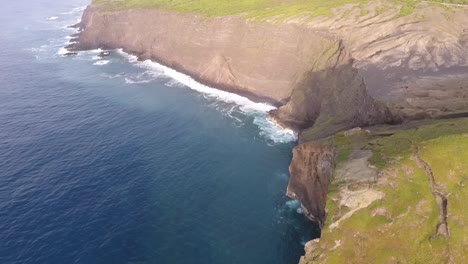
402 225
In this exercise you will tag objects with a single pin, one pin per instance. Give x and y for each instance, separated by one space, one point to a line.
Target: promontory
377 91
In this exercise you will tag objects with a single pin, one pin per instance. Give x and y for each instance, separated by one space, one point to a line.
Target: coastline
318 115
179 68
279 134
342 86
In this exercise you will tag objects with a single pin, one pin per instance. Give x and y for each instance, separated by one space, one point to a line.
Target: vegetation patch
264 9
251 8
402 226
389 143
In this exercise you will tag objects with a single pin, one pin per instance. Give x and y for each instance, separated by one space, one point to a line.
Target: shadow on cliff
331 100
324 102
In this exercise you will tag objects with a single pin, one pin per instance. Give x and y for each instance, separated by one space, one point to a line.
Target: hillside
397 196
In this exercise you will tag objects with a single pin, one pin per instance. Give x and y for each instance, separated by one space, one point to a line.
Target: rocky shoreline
322 78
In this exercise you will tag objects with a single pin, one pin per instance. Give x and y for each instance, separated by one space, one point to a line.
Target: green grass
400 144
251 8
263 9
394 142
405 234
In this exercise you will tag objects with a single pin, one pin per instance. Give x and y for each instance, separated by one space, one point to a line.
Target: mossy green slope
402 227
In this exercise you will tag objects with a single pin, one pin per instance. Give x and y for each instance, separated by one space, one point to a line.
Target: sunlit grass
261 9
406 233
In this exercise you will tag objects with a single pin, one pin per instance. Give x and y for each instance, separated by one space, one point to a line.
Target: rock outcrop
311 173
417 62
331 97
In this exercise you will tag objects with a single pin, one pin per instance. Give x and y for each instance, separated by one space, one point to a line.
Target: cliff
261 61
361 65
284 64
398 196
311 173
307 72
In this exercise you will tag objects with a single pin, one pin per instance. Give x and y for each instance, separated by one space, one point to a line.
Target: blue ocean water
117 161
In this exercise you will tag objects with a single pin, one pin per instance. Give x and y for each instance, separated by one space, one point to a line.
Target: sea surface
111 160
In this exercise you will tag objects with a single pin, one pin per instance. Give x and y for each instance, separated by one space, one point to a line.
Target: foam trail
260 111
62 51
227 97
131 58
52 18
293 204
270 129
101 62
94 51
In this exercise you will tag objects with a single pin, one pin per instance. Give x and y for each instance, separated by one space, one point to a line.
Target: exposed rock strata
311 173
332 98
262 61
307 69
419 62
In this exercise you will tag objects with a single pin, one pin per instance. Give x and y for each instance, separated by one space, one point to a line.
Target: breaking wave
259 111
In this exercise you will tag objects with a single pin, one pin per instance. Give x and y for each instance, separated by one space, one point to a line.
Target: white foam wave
246 104
90 54
172 83
52 18
268 129
131 58
62 51
101 62
66 25
271 130
94 51
293 204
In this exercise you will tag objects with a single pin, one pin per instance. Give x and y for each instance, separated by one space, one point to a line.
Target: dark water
118 163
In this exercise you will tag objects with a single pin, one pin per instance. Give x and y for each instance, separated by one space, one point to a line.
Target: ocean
112 160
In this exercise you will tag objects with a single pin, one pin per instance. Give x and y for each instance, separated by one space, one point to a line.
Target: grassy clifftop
265 8
253 8
412 212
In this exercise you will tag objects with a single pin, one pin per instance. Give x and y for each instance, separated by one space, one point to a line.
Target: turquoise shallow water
115 161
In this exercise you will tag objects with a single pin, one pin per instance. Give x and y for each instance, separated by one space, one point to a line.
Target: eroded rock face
418 62
332 97
308 71
258 60
311 173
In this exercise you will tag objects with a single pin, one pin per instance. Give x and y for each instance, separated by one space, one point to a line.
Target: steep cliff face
308 71
311 173
259 60
417 62
332 96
